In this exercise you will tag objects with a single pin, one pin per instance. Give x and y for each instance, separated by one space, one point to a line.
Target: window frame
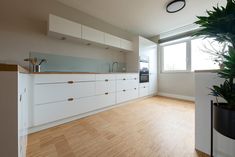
186 40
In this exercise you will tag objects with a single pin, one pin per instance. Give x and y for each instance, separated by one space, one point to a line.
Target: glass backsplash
59 63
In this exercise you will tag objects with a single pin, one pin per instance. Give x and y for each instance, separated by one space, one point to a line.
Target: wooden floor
153 127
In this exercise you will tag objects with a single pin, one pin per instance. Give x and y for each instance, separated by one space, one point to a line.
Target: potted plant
220 25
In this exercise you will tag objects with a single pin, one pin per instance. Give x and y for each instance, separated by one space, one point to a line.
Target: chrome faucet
113 66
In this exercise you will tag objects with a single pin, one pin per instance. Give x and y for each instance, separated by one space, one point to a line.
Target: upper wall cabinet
91 34
111 40
126 45
63 28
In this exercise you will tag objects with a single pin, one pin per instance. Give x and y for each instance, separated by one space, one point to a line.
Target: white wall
23 29
178 85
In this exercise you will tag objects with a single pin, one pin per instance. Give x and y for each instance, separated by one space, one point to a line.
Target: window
191 54
203 53
175 57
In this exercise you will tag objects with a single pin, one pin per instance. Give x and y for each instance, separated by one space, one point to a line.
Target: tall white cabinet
14 103
146 48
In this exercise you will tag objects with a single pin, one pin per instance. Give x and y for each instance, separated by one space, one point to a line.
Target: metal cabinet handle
70 99
144 86
106 80
123 90
135 78
124 79
70 82
106 93
135 88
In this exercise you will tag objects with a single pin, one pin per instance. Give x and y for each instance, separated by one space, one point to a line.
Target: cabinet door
123 96
105 100
126 45
64 26
152 54
48 93
153 84
111 40
103 87
91 34
126 84
143 91
59 110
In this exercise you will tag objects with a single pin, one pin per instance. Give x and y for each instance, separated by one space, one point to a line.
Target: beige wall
23 29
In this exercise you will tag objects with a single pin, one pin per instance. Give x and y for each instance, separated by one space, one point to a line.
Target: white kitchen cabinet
127 87
126 84
55 111
105 100
127 76
63 96
14 100
54 92
126 45
23 109
143 89
152 84
105 83
126 95
91 34
61 27
127 81
63 78
111 40
103 87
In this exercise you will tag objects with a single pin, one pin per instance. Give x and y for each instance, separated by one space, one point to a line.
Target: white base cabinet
126 95
59 110
58 97
14 103
143 89
105 100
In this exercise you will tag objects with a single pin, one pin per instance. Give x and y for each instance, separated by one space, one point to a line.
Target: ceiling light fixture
175 6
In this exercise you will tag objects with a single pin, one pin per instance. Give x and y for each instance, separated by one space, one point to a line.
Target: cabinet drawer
47 93
105 77
143 85
126 84
105 100
103 87
55 111
123 96
62 78
127 76
143 91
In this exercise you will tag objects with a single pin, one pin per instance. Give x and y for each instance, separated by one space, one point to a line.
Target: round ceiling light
175 6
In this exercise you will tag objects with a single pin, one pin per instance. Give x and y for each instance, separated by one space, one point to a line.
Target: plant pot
224 120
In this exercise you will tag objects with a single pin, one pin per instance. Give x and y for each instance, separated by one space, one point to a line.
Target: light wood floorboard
152 127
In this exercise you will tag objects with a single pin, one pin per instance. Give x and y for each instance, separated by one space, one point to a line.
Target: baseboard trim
183 97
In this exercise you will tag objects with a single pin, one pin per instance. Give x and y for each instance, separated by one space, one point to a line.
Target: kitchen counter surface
13 67
81 73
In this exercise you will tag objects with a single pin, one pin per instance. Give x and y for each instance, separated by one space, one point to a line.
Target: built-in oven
144 69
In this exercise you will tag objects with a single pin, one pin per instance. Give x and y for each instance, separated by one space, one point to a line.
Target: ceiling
144 17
